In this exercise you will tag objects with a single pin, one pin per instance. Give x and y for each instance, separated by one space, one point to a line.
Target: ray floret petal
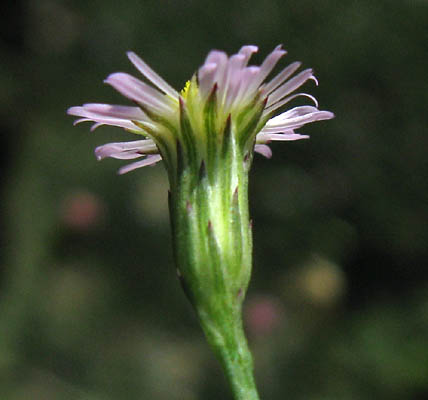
228 86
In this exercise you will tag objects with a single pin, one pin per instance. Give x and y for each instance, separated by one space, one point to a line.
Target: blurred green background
90 307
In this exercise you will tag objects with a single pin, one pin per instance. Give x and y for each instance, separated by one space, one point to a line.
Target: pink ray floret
237 85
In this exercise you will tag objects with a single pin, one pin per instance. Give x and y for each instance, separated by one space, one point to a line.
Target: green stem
235 357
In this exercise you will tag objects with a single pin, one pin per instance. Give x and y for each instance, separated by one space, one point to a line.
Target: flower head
206 135
224 94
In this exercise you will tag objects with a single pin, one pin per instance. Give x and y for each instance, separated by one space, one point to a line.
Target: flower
206 136
223 89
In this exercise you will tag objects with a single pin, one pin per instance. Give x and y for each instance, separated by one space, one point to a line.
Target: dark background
90 307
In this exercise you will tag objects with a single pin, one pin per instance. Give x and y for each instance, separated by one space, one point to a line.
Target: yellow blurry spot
318 282
322 281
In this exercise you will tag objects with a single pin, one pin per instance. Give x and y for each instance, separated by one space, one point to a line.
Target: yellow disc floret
185 90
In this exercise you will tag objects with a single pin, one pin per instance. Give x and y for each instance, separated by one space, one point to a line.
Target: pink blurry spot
82 210
262 314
